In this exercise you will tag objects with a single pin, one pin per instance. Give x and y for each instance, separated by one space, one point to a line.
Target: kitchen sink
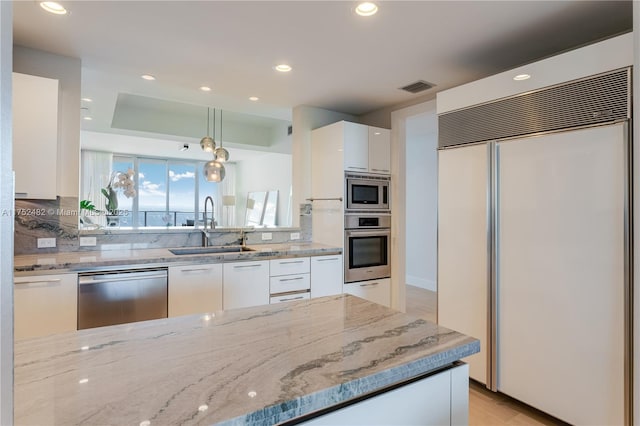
205 250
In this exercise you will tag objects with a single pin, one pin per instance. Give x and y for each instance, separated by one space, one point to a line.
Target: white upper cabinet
356 147
35 136
350 147
379 150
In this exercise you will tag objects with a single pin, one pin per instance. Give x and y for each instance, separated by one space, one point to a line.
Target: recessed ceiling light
254 98
205 88
283 68
148 77
86 100
367 8
53 7
83 381
521 77
87 118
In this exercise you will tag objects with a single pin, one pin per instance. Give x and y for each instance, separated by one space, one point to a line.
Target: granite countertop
92 260
256 366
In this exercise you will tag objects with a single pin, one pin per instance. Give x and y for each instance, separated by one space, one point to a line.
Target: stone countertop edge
110 259
309 404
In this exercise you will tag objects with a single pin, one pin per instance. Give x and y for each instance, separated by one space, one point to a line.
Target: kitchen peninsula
259 366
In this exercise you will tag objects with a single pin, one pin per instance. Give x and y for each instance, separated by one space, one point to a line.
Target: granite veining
127 256
253 366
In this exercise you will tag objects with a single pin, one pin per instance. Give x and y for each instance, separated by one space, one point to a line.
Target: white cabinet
379 150
195 289
35 136
326 275
378 291
438 399
45 304
290 279
356 147
351 147
245 284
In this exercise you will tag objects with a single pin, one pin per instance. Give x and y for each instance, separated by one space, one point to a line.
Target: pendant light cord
208 121
220 128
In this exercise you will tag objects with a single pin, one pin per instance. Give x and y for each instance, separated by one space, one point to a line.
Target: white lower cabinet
45 304
378 291
245 284
195 289
326 275
440 399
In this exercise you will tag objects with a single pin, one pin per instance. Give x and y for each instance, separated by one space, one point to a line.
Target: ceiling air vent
417 87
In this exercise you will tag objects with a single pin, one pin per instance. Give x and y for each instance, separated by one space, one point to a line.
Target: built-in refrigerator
534 247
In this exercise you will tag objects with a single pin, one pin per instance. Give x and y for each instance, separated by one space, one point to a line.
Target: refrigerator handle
492 267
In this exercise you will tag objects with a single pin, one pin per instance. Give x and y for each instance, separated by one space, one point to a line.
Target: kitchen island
260 366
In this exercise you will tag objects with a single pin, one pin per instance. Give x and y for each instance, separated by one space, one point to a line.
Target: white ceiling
340 61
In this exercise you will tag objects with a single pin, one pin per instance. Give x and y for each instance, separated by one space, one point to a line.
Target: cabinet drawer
297 265
290 297
378 291
287 283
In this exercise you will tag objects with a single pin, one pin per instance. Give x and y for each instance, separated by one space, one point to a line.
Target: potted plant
118 180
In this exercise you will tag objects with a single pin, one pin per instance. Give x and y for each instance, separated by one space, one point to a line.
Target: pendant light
221 153
207 143
213 171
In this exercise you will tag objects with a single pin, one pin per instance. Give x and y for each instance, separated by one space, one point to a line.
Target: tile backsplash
59 219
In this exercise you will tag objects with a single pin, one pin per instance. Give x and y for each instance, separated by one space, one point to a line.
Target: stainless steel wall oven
367 242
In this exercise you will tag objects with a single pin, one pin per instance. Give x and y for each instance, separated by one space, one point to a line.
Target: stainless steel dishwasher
118 297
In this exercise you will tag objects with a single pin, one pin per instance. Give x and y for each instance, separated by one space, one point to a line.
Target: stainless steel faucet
205 236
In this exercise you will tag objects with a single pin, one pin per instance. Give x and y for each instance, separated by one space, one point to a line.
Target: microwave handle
385 194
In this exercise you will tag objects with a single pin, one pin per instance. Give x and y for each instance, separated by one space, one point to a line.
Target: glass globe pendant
213 171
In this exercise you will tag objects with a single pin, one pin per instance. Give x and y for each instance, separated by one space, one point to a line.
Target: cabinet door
245 284
378 291
35 136
326 275
356 147
379 150
45 304
195 289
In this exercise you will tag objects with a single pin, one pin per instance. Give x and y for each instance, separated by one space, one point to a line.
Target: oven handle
368 233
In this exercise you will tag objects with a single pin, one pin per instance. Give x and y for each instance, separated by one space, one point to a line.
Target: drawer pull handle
292 262
380 170
327 260
195 269
53 280
247 266
357 168
291 298
369 285
291 279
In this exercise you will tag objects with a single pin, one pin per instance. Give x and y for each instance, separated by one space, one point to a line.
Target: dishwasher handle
131 276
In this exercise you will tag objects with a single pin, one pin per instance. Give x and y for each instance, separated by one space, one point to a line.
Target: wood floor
486 408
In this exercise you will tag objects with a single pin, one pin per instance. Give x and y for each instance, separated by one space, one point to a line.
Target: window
168 192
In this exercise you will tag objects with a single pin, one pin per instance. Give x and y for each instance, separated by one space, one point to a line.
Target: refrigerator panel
561 273
462 247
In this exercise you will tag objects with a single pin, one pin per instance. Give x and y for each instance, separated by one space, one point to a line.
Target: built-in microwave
367 192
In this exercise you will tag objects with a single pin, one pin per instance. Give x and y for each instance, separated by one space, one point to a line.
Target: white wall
263 173
421 200
306 119
68 71
6 220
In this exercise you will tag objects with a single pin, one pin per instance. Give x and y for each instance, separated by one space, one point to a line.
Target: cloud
178 176
151 189
140 175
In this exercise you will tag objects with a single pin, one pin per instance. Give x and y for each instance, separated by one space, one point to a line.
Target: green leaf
87 205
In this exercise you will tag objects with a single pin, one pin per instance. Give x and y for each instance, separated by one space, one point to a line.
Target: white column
636 209
6 219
